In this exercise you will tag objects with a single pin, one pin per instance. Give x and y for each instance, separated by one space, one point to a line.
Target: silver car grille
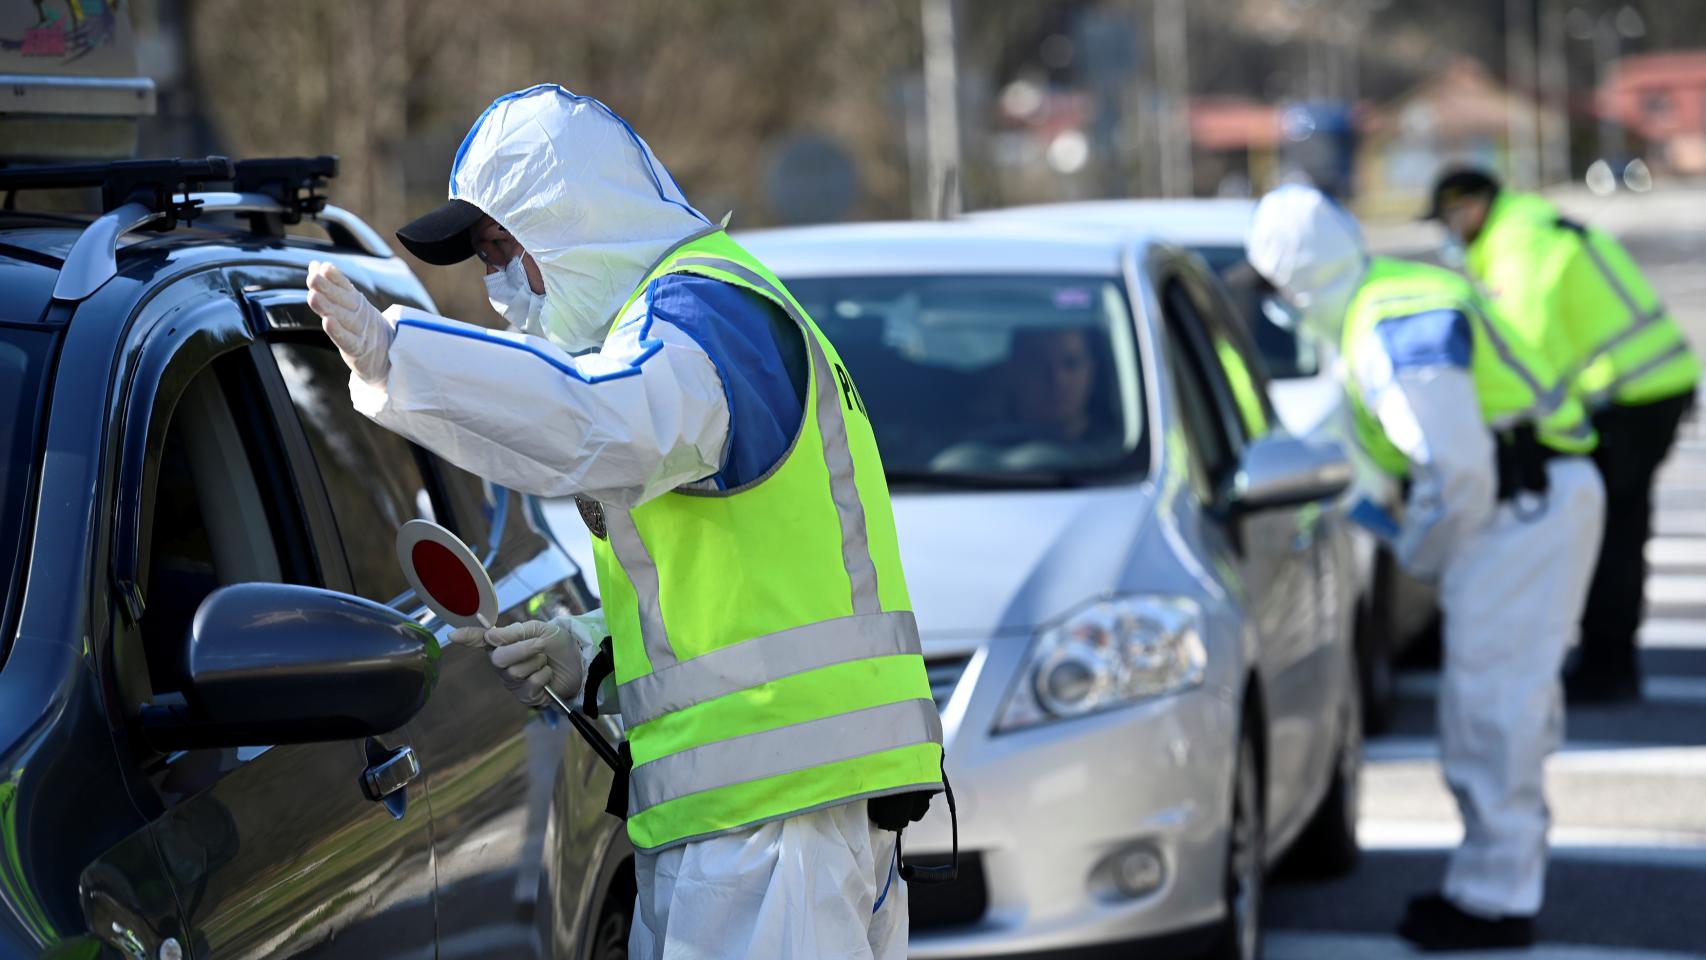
945 675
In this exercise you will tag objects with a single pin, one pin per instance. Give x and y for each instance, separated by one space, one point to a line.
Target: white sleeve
1433 416
623 425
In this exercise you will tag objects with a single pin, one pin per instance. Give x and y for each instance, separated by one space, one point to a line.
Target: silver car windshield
990 380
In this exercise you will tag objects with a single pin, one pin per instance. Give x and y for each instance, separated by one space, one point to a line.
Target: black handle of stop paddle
589 732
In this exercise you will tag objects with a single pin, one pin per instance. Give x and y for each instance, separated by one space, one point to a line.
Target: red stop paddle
455 586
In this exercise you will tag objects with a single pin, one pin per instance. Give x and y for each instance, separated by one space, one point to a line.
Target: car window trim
301 455
1219 313
162 370
305 471
1201 354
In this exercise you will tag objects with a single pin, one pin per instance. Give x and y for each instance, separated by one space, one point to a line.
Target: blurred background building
789 112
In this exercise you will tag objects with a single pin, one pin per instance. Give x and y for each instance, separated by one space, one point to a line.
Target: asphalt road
1628 792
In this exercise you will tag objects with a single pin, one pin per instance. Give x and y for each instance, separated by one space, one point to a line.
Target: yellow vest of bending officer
1577 294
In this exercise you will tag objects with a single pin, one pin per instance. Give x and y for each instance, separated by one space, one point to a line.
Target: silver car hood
986 563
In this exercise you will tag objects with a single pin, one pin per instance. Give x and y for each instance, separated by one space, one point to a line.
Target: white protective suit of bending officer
1512 574
702 384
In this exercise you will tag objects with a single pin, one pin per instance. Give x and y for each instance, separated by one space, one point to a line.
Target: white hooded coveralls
1511 586
647 413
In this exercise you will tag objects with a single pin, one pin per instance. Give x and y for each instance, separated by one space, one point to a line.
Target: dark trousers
1633 442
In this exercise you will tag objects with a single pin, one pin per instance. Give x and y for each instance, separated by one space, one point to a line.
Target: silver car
1393 607
1135 610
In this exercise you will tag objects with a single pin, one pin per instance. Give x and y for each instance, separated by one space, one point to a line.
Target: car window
1238 364
1200 412
474 505
372 477
990 375
23 374
1287 352
210 525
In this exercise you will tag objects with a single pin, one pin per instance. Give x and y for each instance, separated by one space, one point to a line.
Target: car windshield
1288 355
23 369
990 380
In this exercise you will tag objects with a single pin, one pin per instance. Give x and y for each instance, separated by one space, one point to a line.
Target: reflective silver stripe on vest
1604 394
1583 430
855 550
760 660
1546 402
637 563
800 746
1640 319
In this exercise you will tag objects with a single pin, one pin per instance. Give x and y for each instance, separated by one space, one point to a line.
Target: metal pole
1519 65
941 106
1555 94
1607 46
1173 65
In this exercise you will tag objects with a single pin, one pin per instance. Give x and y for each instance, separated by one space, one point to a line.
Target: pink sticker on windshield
1071 298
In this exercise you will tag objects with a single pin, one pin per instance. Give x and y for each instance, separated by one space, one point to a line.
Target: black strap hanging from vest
617 803
914 873
602 666
898 811
1522 476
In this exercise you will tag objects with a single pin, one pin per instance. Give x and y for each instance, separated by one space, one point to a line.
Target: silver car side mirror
1282 471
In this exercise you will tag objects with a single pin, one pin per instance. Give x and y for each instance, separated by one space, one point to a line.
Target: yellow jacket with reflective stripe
766 655
1513 379
1575 291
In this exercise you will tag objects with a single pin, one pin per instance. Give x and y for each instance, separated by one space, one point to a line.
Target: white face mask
513 298
1322 312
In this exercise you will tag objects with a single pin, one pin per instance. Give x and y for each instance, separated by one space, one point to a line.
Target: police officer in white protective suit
1503 510
700 383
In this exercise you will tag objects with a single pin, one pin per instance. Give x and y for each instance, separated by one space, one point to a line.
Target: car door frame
1283 665
1324 657
169 350
527 585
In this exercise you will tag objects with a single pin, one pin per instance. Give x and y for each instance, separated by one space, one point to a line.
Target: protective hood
582 193
1312 252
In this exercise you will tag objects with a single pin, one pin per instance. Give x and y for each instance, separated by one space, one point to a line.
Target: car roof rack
154 183
156 195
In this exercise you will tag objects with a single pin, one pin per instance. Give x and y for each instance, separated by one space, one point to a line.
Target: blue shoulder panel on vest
758 352
1436 338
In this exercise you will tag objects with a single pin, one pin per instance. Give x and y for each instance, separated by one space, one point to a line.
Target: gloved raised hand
360 332
536 654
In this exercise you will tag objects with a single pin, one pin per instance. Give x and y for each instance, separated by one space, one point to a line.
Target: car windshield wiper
984 480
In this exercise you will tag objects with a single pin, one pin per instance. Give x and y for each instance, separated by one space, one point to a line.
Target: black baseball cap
1454 185
440 237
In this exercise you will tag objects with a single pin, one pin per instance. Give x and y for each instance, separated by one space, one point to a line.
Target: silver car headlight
1108 654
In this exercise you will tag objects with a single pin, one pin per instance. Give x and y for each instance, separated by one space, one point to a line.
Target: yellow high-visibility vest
765 651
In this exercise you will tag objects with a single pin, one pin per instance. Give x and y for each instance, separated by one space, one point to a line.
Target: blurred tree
392 86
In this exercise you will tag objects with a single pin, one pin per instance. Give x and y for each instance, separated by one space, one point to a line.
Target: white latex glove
469 637
536 654
360 332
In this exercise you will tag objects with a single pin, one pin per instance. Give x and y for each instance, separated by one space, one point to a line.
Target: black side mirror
270 663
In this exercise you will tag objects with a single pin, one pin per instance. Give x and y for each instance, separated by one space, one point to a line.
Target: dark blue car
194 768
